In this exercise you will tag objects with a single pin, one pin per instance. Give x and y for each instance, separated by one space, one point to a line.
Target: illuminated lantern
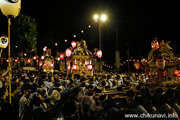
62 56
137 65
3 42
35 57
68 52
73 43
155 45
44 49
160 63
52 65
99 53
58 58
29 61
10 7
42 57
89 67
74 67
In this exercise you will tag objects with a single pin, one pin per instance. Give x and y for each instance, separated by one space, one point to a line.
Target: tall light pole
100 19
10 9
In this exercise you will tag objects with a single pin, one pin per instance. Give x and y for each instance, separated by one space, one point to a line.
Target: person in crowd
25 105
171 97
160 103
58 104
88 104
38 112
119 80
133 104
14 102
5 106
70 111
146 101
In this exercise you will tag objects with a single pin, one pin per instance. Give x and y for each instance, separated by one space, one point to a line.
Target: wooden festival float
162 66
79 60
46 63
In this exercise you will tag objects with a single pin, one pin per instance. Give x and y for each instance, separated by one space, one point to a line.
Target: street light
100 19
10 9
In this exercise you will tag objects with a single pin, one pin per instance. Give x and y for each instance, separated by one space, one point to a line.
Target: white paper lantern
3 42
10 7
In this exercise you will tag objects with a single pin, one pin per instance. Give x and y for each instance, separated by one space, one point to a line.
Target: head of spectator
171 96
89 90
70 111
158 97
130 99
40 82
36 99
27 90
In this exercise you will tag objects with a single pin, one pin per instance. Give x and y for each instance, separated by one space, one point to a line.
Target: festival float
79 60
46 63
162 66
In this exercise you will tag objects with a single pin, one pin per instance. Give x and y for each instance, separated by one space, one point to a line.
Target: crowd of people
37 95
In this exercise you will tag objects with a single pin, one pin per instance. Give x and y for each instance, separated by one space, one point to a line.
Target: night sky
138 21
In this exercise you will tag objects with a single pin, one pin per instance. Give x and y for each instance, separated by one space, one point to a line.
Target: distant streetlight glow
100 19
103 18
96 17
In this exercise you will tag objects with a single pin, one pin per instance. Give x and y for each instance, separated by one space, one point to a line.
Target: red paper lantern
29 61
62 56
99 53
73 43
160 63
137 65
35 57
42 57
68 52
155 45
74 67
89 67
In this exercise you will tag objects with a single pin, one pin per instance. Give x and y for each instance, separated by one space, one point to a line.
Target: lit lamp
68 52
10 8
73 43
100 19
99 53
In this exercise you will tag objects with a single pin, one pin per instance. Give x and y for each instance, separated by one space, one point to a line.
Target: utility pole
117 53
